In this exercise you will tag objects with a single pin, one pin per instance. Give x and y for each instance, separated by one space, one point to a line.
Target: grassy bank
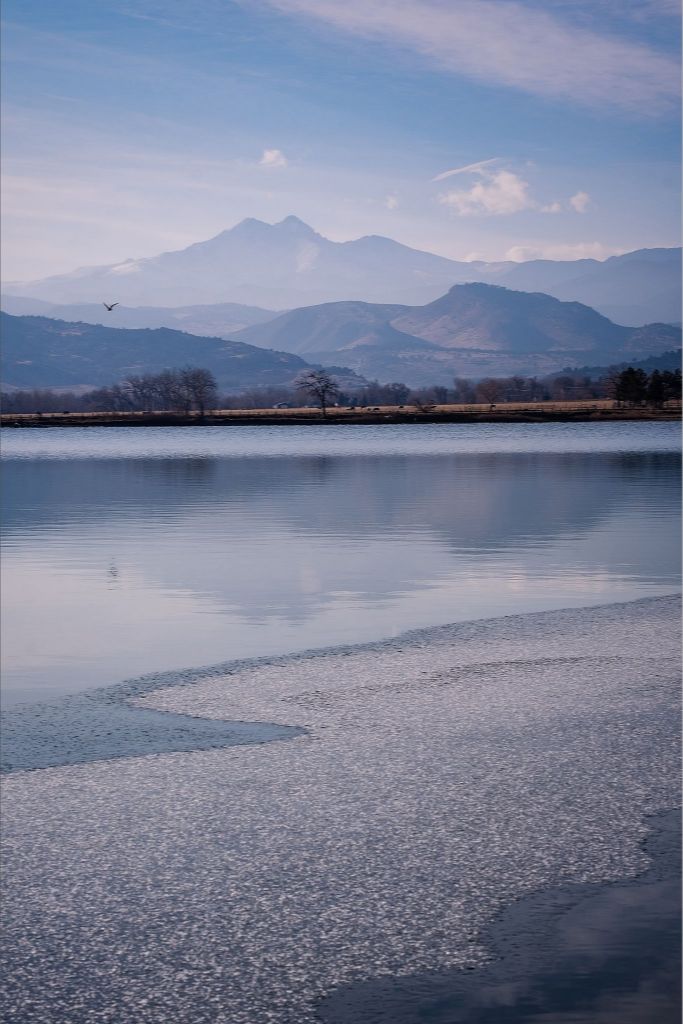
512 412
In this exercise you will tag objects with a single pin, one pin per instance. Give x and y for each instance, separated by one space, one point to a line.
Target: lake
131 551
467 637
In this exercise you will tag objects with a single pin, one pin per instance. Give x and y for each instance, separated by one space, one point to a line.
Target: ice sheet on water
443 774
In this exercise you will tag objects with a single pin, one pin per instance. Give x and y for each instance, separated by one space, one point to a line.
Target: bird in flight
109 308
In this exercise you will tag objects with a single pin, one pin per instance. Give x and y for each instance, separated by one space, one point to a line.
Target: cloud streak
505 42
465 170
562 251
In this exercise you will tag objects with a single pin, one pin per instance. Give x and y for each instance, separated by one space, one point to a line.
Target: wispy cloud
391 201
465 170
562 251
506 42
273 158
634 10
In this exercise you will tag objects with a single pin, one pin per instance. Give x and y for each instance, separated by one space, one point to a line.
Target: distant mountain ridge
666 361
288 264
475 330
38 352
220 320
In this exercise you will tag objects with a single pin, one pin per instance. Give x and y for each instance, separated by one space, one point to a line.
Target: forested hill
38 352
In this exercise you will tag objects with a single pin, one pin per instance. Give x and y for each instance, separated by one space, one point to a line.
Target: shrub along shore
509 412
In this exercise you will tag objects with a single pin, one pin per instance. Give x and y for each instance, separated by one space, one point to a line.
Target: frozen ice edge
242 884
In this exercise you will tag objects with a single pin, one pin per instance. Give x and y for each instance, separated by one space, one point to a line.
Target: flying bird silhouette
109 308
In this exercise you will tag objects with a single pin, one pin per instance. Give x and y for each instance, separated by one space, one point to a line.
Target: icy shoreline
442 775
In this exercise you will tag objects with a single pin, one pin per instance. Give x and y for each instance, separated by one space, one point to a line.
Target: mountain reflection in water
118 566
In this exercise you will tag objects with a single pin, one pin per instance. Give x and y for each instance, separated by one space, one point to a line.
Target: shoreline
599 953
597 411
121 721
440 778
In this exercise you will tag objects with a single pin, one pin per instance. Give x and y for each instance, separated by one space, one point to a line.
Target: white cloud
580 201
391 201
273 158
506 42
496 193
559 251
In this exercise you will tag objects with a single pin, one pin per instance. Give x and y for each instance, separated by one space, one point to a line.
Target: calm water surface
129 551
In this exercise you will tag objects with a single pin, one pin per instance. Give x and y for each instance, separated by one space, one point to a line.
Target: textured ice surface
444 774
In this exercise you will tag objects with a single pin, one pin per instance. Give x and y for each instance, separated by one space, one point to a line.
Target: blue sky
139 126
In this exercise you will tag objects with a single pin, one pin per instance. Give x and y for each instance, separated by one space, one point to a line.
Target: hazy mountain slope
219 320
639 287
489 317
470 316
666 361
331 327
652 339
38 352
473 330
288 265
272 265
635 288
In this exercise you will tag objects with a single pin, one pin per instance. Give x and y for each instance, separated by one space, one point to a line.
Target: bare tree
199 387
142 391
319 385
423 399
463 391
113 399
375 393
168 390
489 390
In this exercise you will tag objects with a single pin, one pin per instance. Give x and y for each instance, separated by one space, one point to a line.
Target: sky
477 129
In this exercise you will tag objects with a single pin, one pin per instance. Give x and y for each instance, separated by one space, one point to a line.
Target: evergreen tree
655 389
631 386
671 380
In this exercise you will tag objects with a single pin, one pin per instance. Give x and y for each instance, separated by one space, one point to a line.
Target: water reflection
589 955
114 567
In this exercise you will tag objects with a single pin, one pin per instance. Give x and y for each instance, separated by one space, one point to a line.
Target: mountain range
475 330
288 264
38 352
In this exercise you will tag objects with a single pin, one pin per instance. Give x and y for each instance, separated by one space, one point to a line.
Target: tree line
634 387
194 389
184 389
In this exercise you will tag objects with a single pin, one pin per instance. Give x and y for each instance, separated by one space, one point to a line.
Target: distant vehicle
282 405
